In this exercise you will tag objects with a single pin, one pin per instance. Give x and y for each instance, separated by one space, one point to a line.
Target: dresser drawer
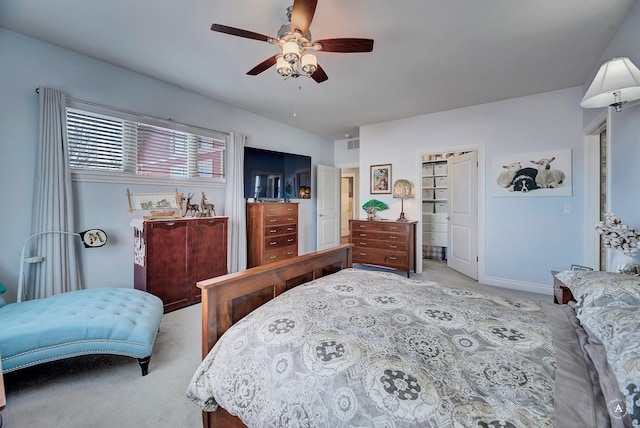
280 209
379 257
384 245
384 236
280 241
281 229
380 226
280 254
273 220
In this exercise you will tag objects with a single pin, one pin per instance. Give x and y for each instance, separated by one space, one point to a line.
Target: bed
333 346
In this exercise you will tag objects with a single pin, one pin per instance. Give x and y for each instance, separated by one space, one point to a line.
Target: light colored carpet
109 391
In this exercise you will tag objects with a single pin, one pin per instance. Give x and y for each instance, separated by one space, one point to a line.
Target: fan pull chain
295 102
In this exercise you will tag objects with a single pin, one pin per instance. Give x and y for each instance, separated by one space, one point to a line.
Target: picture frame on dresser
380 179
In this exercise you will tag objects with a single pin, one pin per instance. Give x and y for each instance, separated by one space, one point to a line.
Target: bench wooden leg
144 364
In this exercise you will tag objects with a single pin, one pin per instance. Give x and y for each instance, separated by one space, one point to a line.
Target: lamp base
402 218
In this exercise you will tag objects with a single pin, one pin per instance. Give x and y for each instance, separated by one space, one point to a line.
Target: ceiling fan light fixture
309 64
283 67
291 52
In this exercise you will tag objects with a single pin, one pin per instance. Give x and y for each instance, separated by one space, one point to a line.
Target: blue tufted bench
120 321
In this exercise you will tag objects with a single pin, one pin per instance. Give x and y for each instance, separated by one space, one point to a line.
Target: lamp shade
309 63
617 81
291 52
402 189
283 67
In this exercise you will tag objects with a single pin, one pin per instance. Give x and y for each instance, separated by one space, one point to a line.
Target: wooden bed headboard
228 298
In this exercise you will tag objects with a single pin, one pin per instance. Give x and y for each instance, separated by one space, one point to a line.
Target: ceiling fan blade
346 45
319 75
302 15
264 65
240 32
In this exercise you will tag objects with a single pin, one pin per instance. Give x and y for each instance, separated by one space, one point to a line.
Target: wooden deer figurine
190 206
207 209
180 200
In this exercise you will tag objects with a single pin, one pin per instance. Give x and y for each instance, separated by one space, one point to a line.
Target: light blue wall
524 237
26 63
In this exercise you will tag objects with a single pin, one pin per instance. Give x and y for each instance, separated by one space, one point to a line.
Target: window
101 143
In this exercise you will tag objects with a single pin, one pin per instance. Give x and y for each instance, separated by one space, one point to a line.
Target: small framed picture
578 267
380 179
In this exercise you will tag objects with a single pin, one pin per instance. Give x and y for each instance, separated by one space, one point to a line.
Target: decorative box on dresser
272 232
172 255
384 243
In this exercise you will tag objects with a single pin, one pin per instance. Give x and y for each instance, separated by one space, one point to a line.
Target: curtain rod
140 115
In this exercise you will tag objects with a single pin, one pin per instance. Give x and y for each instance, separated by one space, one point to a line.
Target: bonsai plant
372 207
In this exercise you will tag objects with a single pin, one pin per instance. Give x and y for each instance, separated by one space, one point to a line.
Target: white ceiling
428 56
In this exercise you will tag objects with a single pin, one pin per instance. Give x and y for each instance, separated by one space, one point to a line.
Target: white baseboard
546 289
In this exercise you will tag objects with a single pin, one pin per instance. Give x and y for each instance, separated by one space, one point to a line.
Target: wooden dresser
384 243
272 232
172 255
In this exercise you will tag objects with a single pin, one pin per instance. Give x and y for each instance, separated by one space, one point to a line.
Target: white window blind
103 143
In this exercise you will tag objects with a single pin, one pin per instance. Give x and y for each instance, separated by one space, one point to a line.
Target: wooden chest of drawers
272 232
384 243
172 255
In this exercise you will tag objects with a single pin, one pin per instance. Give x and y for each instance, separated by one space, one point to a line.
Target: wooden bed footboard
228 298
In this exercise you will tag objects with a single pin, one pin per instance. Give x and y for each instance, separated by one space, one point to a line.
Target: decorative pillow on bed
595 288
618 328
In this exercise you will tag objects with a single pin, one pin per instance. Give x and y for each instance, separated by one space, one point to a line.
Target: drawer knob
393 237
273 230
363 234
363 226
273 220
290 240
273 243
289 229
393 246
363 243
393 258
273 257
363 254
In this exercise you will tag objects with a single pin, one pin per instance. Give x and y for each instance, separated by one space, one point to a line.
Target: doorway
348 200
449 194
596 151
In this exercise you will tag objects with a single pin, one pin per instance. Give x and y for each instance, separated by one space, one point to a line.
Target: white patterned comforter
370 349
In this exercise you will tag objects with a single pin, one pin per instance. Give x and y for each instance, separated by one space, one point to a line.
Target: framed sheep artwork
545 173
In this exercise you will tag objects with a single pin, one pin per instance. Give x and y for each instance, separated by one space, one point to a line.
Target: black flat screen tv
276 175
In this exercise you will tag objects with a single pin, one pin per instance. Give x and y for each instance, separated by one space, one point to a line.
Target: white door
463 214
328 207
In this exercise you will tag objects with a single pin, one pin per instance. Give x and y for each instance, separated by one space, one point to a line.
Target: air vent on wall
353 144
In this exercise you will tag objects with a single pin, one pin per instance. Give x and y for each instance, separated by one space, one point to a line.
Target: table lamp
402 189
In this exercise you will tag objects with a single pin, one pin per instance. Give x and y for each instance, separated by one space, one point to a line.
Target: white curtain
52 205
235 205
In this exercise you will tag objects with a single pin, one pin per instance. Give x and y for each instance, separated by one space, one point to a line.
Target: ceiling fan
296 45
